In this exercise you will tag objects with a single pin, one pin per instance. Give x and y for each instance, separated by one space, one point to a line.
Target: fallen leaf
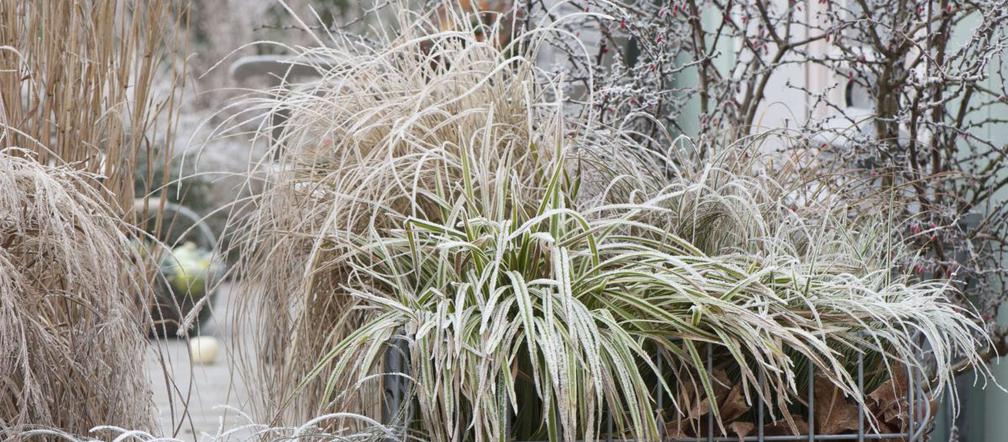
681 428
741 429
734 405
695 406
783 428
833 413
890 391
888 402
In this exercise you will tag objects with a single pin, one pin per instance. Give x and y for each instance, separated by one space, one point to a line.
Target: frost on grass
438 186
333 427
73 317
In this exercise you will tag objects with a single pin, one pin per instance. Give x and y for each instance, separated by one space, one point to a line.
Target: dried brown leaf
733 405
741 429
833 413
888 403
784 428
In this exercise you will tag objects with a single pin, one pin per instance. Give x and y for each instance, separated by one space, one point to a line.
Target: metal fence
395 408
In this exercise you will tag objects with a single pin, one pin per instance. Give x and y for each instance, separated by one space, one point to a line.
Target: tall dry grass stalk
87 89
73 317
347 134
435 185
93 84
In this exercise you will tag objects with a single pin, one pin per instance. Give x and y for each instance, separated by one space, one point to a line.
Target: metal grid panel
395 410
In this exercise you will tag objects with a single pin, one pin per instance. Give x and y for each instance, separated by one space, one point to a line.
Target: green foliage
441 188
187 269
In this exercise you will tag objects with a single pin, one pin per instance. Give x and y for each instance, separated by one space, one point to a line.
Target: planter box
396 393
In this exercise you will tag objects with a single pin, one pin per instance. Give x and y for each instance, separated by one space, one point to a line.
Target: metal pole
860 387
609 425
759 409
394 405
710 415
811 401
912 407
661 396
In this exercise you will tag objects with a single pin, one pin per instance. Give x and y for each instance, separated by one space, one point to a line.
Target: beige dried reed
92 84
73 319
89 89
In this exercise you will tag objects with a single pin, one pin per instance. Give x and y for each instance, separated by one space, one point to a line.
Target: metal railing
396 408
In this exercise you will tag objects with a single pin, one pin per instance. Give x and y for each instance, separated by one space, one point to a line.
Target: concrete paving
197 400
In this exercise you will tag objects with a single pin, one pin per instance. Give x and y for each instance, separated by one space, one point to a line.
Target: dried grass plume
73 315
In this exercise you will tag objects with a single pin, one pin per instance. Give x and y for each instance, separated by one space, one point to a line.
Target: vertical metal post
710 414
759 407
394 403
949 413
912 406
390 383
860 390
811 401
609 424
661 395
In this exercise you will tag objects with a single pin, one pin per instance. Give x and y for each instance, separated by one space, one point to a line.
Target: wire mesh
396 408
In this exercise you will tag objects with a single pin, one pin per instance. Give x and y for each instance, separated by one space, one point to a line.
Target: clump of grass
373 129
797 255
439 188
73 315
90 92
336 429
93 84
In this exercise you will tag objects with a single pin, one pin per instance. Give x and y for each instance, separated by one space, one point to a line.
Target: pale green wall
994 405
991 405
986 410
690 117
